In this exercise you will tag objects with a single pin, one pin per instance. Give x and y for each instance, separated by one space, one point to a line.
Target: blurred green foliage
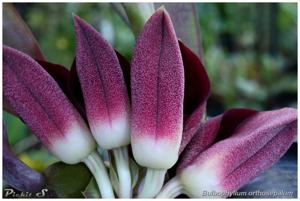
15 125
250 53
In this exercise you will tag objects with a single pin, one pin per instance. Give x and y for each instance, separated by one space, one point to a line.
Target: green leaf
68 181
92 190
15 127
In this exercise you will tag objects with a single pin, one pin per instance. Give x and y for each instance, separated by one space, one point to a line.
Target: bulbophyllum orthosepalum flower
157 91
105 97
169 89
39 101
231 150
158 79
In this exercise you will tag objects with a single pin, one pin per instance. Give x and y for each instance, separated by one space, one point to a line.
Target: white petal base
203 181
77 144
112 136
156 154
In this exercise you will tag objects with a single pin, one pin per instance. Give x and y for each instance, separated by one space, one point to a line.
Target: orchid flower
39 101
105 97
231 150
157 91
156 106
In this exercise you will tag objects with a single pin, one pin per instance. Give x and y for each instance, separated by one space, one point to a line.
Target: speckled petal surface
253 148
214 130
125 65
42 105
157 86
103 86
59 73
196 93
75 92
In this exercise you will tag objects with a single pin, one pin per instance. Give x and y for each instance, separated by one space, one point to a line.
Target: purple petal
197 91
253 148
59 73
125 65
42 105
7 107
16 173
104 89
186 24
17 34
75 92
157 88
214 130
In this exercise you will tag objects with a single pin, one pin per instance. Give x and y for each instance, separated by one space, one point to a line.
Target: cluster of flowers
155 107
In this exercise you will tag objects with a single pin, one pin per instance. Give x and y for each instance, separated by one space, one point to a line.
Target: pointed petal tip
80 24
157 87
103 86
161 14
77 20
162 10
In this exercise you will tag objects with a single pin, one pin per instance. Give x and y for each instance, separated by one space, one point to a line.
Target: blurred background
249 51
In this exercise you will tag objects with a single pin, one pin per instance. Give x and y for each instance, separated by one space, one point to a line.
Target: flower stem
153 182
96 166
121 159
171 190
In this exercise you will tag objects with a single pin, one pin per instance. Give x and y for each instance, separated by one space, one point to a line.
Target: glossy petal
253 148
157 85
104 89
42 105
197 91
